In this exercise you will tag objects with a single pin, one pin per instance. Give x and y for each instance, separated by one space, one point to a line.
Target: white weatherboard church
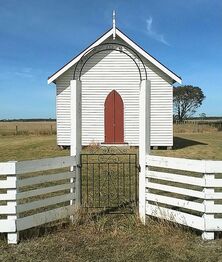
109 74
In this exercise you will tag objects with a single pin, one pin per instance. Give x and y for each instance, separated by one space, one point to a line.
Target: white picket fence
185 191
29 198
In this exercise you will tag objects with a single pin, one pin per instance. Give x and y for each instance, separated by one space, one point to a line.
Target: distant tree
186 100
202 115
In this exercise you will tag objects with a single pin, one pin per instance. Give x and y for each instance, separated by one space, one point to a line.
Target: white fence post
76 136
13 238
208 205
144 143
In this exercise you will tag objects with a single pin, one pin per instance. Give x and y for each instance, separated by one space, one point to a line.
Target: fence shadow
41 231
179 142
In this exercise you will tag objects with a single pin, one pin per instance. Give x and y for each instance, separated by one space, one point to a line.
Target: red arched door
114 118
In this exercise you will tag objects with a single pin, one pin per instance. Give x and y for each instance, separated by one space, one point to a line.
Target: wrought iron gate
109 178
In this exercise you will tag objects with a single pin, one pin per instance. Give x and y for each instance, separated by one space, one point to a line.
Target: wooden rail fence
36 192
185 191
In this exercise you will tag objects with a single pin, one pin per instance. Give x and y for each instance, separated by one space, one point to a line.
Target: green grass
111 237
29 147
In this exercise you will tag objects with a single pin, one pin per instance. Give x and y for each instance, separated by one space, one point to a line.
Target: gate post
144 143
208 205
13 238
76 136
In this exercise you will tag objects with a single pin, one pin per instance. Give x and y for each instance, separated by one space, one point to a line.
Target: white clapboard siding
122 75
44 217
161 108
101 74
175 216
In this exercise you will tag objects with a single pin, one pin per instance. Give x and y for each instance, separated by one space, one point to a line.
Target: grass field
111 237
29 147
196 146
197 126
49 127
27 128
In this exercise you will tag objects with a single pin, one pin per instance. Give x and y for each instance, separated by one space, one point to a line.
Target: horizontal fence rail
185 191
36 192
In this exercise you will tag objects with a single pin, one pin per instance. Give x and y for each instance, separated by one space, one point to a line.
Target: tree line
186 100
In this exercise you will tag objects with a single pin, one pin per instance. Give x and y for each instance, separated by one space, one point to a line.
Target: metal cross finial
114 24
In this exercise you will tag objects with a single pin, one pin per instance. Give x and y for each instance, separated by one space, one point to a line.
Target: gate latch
79 165
139 168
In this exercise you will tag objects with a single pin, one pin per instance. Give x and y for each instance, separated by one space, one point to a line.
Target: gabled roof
137 48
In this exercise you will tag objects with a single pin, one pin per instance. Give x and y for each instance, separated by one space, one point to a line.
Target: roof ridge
130 42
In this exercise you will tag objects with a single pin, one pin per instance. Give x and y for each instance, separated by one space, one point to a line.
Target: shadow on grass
179 142
39 231
43 230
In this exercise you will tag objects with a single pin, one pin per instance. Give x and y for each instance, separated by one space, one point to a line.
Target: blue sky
38 37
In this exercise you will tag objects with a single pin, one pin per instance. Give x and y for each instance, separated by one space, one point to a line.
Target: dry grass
29 147
196 146
197 127
111 237
49 127
27 128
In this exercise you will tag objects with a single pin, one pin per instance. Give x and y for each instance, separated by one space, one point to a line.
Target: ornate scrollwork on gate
110 47
107 150
109 177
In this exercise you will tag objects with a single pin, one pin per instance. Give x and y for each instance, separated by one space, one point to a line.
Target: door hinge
139 168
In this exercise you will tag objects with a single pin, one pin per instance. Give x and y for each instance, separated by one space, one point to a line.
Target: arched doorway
114 118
